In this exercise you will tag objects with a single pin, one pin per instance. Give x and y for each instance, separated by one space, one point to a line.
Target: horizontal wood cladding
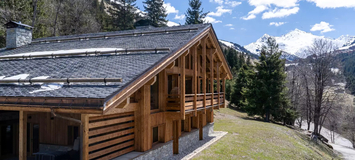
111 135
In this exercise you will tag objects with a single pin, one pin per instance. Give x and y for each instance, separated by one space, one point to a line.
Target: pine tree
242 83
194 14
156 12
122 14
268 90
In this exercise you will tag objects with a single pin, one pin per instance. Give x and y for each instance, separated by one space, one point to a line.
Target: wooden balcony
173 101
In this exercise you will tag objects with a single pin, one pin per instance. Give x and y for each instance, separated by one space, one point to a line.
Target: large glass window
154 95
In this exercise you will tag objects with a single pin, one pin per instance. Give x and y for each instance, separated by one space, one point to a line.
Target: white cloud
170 9
277 23
170 24
220 11
227 2
251 16
228 25
287 7
334 3
232 3
211 20
278 3
220 2
181 17
231 28
323 27
256 10
279 13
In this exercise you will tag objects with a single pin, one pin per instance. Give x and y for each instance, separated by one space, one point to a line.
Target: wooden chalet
107 94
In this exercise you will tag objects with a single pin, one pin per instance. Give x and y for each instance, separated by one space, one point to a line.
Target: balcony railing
173 101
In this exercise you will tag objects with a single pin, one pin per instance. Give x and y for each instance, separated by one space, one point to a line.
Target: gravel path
200 146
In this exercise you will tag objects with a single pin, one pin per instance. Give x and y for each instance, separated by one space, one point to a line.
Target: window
154 95
155 134
73 133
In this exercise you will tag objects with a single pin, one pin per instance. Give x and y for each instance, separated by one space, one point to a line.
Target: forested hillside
348 62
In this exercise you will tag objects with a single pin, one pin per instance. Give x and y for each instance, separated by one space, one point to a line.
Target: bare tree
349 123
322 59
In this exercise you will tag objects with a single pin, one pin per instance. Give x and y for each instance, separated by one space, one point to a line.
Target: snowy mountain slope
296 41
237 47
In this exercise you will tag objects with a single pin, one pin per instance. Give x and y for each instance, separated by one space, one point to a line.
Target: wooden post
195 64
22 135
204 54
143 130
187 124
182 87
84 134
212 76
218 84
176 137
224 92
162 90
200 127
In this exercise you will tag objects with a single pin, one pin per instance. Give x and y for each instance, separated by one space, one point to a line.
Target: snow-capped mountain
296 42
234 45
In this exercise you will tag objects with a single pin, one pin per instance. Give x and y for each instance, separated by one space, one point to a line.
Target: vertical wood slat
224 92
143 129
182 88
162 90
204 72
195 79
218 84
175 137
212 78
200 123
84 131
22 135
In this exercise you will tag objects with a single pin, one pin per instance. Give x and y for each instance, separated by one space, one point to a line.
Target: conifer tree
123 15
267 95
194 14
242 83
156 12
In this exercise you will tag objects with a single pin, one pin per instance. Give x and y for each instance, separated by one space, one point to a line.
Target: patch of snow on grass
291 64
335 70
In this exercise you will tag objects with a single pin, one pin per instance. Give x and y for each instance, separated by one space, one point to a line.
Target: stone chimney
17 34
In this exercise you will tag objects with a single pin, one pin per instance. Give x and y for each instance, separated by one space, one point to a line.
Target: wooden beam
22 135
84 131
162 90
200 123
125 103
211 75
195 77
152 81
204 55
182 87
218 83
143 130
57 110
224 92
171 65
176 137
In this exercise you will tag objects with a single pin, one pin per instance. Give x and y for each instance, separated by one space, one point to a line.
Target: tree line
302 92
68 17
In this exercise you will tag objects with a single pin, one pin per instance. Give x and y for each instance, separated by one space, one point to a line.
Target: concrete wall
186 140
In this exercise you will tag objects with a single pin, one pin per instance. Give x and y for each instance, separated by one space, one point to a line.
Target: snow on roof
64 51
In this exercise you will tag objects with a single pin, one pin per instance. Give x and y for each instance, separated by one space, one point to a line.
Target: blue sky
244 21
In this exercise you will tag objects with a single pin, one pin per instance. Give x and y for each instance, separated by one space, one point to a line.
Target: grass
251 139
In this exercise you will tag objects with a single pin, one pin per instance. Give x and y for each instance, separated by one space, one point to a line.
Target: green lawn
251 139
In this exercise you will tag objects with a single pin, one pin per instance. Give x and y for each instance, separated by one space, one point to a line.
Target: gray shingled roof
125 66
